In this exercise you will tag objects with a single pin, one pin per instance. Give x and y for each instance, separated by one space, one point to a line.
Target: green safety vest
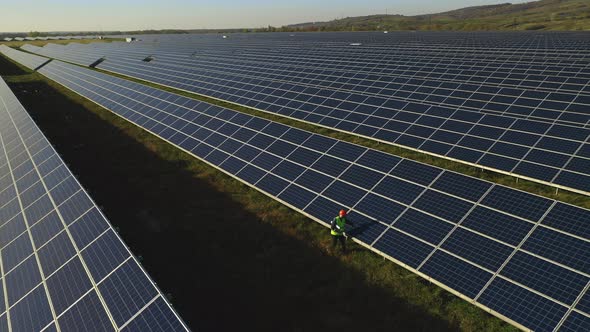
340 222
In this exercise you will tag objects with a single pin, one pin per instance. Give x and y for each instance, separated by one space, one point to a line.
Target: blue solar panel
88 314
31 61
537 171
344 193
126 291
576 322
509 150
578 165
35 302
55 254
500 226
378 160
272 184
67 285
362 177
498 162
456 273
541 275
445 206
394 244
314 181
423 226
478 249
297 196
518 203
415 172
519 304
567 179
570 219
570 251
158 312
462 186
398 190
379 207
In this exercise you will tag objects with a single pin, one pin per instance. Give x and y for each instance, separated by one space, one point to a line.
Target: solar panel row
520 255
62 266
28 60
51 50
50 38
31 48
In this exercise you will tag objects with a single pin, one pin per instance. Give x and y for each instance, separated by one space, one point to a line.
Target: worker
337 230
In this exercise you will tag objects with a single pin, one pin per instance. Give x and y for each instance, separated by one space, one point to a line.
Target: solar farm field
463 159
502 102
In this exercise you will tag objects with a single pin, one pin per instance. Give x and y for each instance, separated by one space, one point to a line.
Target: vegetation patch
542 15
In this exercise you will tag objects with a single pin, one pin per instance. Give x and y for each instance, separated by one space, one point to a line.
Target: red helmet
342 213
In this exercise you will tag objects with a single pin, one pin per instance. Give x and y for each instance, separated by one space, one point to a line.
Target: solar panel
31 48
65 53
544 152
502 249
31 61
62 265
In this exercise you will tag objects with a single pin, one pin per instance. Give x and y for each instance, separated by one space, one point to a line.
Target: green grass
535 15
304 284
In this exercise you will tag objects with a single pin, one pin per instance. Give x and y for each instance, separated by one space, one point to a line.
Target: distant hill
535 15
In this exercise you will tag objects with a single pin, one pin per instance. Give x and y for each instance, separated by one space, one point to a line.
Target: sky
110 15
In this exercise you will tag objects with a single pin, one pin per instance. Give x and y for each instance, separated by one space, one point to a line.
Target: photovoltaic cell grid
30 61
62 265
31 48
521 256
549 153
66 53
